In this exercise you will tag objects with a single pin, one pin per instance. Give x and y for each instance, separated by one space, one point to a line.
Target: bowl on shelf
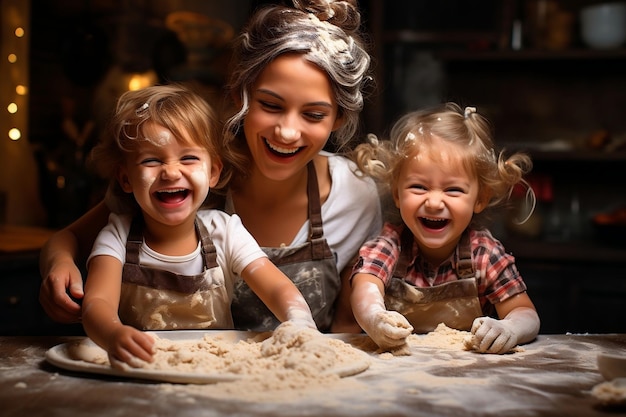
603 25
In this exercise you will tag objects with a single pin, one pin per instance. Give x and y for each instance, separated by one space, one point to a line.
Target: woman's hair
325 33
175 107
471 135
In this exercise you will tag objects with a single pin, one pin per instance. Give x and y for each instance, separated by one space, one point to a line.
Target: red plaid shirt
497 276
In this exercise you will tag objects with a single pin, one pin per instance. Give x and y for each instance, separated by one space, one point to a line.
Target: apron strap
209 252
316 226
464 263
406 246
135 240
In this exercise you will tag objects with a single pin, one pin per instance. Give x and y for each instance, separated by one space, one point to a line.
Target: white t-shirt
234 245
351 214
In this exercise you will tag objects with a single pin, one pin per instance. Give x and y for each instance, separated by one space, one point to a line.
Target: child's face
292 113
169 182
437 199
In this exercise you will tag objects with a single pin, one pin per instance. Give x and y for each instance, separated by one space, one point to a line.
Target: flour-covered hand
520 325
493 336
300 316
389 329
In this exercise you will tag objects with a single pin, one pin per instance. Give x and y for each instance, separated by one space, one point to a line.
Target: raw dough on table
301 350
611 392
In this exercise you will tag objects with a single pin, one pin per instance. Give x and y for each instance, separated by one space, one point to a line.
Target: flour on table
611 392
289 359
444 337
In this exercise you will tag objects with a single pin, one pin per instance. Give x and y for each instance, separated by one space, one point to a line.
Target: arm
100 318
520 324
278 292
389 329
344 321
61 278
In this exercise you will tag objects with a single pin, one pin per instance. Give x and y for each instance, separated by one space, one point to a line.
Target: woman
297 82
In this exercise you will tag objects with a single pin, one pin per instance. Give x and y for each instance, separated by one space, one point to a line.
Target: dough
611 392
304 351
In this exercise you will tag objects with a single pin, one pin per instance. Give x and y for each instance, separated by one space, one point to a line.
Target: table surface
552 376
15 239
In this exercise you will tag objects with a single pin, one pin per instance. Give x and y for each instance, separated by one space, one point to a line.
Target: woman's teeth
280 150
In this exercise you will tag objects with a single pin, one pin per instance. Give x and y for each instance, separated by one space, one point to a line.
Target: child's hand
130 346
389 329
493 336
300 316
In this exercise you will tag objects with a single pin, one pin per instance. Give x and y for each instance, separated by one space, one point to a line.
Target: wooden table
553 376
17 239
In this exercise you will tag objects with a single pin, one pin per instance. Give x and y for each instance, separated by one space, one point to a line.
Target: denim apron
154 299
311 266
456 303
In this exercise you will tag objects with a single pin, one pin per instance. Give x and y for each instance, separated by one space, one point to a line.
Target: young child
440 265
168 265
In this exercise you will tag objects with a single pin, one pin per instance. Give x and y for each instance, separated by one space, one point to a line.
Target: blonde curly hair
469 132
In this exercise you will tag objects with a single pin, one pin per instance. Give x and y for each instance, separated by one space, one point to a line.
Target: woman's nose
287 134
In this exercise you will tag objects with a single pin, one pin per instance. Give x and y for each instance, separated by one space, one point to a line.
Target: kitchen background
524 64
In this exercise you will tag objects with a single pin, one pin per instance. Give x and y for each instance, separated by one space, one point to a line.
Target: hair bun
343 13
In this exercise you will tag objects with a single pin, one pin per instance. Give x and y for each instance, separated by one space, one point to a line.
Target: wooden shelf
482 46
573 156
450 54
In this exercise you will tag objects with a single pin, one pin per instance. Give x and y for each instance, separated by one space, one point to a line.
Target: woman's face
292 113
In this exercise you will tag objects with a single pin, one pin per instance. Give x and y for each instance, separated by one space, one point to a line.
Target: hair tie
469 110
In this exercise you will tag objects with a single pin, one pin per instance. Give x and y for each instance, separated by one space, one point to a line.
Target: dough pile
303 350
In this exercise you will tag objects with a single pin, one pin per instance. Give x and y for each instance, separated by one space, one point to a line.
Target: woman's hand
59 290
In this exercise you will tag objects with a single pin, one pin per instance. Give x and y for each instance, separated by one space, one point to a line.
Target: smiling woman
298 80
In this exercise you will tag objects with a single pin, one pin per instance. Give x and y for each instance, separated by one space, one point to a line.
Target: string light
15 50
15 134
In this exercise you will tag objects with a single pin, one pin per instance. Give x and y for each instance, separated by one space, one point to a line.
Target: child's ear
216 170
122 179
482 201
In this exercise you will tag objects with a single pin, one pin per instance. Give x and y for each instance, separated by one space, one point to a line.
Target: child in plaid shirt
440 264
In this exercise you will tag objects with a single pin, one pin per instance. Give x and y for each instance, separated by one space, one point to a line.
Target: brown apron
153 299
311 266
456 303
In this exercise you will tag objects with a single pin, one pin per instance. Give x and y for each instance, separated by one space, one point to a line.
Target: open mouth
282 152
435 224
172 196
